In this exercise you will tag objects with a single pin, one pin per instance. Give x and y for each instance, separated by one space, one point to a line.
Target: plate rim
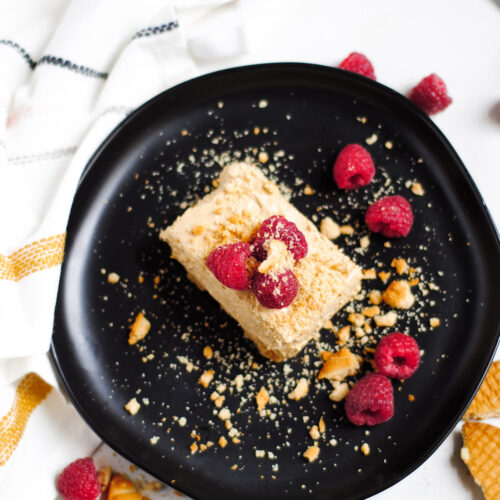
304 67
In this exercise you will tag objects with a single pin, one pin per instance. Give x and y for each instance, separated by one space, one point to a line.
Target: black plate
136 183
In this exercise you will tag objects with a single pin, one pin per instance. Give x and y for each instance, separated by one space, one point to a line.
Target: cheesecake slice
232 213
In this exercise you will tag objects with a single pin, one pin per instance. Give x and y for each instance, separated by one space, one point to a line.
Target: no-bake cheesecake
234 212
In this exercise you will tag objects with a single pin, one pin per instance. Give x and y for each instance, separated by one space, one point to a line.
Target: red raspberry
397 355
277 227
228 263
78 481
275 290
431 95
370 401
353 167
358 63
392 216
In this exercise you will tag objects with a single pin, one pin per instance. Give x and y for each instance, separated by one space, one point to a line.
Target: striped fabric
70 71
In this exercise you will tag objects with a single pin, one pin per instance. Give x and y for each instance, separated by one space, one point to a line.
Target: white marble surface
406 41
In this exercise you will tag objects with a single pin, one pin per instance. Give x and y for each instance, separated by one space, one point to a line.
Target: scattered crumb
369 274
375 297
343 334
113 278
384 276
311 453
139 329
417 189
222 442
154 440
321 425
224 414
308 190
347 230
388 319
340 391
370 312
399 295
263 157
262 398
207 352
329 228
260 453
133 406
194 447
340 365
411 398
365 449
206 378
388 145
301 390
400 265
263 103
372 139
364 242
314 432
434 322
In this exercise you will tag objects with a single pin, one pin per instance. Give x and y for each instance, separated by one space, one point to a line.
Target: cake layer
233 212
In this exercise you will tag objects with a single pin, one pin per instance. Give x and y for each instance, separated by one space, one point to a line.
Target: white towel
69 73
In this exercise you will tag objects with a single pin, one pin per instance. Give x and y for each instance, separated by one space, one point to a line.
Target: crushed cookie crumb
340 391
356 319
388 145
321 425
434 322
417 189
375 297
369 274
139 329
133 406
312 453
206 378
372 139
384 276
365 449
208 352
385 320
346 230
398 295
224 414
260 454
400 265
263 157
314 432
411 398
301 390
343 334
369 312
364 242
222 442
262 398
308 190
329 228
113 278
340 365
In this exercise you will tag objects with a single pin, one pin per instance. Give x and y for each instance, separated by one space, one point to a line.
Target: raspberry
397 356
370 401
78 481
228 263
358 63
275 290
277 227
353 167
431 95
392 216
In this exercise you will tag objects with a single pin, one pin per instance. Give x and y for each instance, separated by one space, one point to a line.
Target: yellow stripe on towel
30 392
39 255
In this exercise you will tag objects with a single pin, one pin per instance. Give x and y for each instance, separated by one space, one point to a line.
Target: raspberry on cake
235 213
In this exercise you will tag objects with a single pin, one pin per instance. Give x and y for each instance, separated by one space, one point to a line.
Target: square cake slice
233 212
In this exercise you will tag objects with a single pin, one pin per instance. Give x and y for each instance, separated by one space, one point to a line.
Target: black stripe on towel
64 63
156 30
20 50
